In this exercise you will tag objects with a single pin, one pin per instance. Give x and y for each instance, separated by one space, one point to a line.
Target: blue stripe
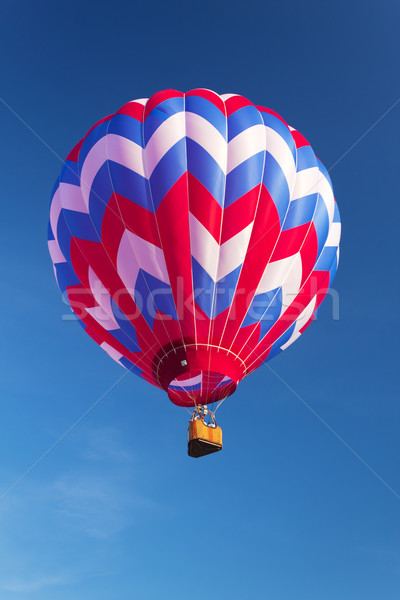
125 340
93 137
161 113
81 225
324 172
333 269
276 183
130 366
130 184
325 261
55 188
185 388
151 295
260 303
64 236
207 110
336 214
170 168
50 235
100 194
222 383
272 315
127 127
127 328
277 125
242 119
244 178
202 166
306 158
321 223
300 211
276 347
66 276
225 291
203 288
70 173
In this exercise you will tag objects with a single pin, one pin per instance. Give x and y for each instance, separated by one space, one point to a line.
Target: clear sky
117 509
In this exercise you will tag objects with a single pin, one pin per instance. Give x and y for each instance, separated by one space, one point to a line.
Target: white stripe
166 135
226 97
208 137
233 252
300 322
134 253
276 272
218 261
204 248
307 182
292 282
55 210
71 198
56 255
333 238
276 145
103 298
187 382
110 147
111 351
246 144
102 318
66 196
326 193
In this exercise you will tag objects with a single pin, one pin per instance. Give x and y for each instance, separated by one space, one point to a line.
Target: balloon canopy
194 236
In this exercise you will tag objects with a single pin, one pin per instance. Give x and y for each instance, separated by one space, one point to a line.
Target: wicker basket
203 439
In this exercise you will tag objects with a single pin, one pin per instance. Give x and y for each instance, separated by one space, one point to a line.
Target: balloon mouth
199 374
200 387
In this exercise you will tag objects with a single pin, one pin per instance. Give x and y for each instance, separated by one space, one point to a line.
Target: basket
203 439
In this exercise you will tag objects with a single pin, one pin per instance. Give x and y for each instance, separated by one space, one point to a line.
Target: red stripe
173 222
234 103
272 112
204 207
73 155
265 232
308 253
291 314
85 253
159 97
290 242
210 96
132 109
135 218
240 214
299 139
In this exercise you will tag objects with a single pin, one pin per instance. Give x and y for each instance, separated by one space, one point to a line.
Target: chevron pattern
194 221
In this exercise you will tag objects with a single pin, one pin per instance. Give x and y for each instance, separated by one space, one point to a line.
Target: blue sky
117 509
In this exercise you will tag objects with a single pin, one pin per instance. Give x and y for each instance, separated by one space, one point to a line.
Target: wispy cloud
34 584
100 497
104 444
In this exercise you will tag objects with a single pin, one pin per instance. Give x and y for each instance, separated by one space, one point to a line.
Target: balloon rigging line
334 433
364 135
342 157
2 496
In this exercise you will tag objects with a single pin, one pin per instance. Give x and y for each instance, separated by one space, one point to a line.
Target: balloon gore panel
194 236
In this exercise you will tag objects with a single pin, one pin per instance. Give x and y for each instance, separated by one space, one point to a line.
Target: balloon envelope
194 236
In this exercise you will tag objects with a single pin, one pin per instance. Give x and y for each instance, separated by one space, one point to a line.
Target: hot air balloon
194 236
